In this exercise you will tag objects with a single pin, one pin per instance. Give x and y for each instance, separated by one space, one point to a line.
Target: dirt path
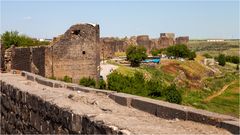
209 98
106 69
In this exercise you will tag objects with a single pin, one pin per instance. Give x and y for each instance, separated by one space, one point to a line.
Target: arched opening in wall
76 32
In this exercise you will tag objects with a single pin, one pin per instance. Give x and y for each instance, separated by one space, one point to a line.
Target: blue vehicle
157 60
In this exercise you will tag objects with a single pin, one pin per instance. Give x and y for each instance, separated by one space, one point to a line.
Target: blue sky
201 19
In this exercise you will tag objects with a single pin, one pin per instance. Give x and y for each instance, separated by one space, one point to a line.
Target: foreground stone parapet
37 107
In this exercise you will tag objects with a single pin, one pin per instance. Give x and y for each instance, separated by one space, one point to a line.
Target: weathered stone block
144 105
232 126
23 73
171 111
44 81
75 123
202 116
122 99
30 77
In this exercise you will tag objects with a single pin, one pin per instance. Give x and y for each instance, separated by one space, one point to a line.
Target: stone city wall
155 107
109 45
25 113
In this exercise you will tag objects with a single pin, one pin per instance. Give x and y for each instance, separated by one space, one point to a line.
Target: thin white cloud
27 18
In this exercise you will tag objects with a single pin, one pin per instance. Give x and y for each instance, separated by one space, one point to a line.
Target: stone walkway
101 108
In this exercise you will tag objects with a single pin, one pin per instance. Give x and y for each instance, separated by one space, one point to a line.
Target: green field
228 47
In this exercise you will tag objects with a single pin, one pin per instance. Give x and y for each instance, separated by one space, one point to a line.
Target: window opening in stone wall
83 52
76 32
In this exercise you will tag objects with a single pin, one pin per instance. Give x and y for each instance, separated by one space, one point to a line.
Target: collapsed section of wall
29 59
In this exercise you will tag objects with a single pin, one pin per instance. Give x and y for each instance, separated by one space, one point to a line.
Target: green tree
14 38
135 54
10 38
178 51
221 59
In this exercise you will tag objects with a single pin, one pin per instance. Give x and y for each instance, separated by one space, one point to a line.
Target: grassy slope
227 102
194 96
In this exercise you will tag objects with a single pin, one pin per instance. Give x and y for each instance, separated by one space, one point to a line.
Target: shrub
135 84
87 81
101 84
67 79
117 81
173 95
221 59
135 54
154 88
192 55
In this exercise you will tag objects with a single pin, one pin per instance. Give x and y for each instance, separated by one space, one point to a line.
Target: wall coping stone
156 107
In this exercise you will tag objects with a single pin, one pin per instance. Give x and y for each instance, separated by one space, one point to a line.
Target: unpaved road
96 104
106 69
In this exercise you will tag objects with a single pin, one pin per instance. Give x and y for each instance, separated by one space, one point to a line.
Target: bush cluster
101 84
137 85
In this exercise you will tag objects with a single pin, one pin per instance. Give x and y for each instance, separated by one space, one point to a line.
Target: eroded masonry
75 54
31 104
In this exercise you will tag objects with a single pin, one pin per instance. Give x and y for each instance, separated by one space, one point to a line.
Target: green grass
227 102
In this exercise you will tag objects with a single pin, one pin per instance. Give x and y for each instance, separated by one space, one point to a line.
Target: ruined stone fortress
77 52
109 46
31 103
